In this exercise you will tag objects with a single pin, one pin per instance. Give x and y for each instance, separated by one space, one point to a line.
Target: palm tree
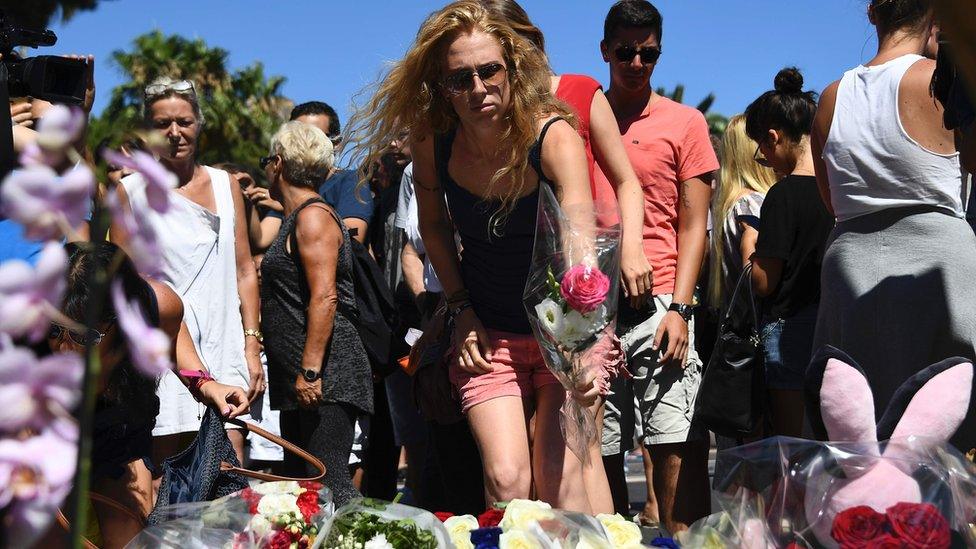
37 14
242 108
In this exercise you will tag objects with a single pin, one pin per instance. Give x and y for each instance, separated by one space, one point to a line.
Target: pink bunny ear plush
932 404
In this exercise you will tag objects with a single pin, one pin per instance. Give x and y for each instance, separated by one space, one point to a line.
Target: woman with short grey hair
319 372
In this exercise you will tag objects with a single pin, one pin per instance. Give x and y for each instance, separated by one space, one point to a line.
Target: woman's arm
766 274
609 152
818 138
228 400
247 291
747 242
319 241
564 162
437 231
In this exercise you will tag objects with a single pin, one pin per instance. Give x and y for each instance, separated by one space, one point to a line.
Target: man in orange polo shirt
669 148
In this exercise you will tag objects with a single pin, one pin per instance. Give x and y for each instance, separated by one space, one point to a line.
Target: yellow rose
459 528
517 539
622 532
521 513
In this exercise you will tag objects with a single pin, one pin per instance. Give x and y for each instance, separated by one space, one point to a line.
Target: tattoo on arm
685 200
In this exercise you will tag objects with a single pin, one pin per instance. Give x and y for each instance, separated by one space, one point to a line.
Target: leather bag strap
288 446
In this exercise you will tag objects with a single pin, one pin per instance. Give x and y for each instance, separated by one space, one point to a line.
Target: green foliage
242 109
37 14
354 529
716 122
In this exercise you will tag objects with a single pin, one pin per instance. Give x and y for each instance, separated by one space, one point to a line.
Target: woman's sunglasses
649 56
90 337
181 86
265 160
461 81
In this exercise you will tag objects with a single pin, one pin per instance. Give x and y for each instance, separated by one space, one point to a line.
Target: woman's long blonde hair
740 175
409 96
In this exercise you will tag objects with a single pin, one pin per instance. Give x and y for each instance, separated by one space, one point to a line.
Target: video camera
49 77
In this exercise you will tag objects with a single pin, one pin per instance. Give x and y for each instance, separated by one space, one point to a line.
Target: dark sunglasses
461 81
759 158
265 160
90 337
649 56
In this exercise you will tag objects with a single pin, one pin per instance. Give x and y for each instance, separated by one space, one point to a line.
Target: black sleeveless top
346 374
496 252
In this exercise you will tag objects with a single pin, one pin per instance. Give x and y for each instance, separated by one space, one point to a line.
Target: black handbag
732 397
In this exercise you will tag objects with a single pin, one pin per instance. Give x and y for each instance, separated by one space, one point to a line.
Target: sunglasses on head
265 160
90 337
625 54
461 81
181 86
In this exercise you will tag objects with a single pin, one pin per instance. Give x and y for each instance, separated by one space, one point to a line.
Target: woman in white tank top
898 273
206 258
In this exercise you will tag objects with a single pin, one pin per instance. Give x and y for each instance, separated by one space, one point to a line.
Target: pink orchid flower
159 180
45 203
35 476
58 129
143 244
27 294
149 347
33 390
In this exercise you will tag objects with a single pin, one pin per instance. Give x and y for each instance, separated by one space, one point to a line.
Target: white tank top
872 162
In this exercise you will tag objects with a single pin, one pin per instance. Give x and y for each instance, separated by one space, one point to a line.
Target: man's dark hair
318 107
639 14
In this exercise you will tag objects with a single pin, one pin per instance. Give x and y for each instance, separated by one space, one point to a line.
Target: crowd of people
849 207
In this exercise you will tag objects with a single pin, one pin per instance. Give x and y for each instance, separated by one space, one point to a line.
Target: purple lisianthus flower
159 180
58 129
28 293
148 346
35 477
143 244
44 202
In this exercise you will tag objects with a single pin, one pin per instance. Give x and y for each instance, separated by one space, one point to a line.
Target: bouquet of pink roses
571 301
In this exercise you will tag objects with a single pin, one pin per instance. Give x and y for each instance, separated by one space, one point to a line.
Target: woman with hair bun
900 263
793 230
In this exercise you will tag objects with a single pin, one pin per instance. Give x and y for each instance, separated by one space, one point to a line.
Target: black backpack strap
535 153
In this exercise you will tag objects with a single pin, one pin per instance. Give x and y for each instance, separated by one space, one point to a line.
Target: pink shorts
518 369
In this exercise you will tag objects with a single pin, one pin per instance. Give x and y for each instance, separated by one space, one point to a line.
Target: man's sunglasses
649 56
461 81
759 158
91 336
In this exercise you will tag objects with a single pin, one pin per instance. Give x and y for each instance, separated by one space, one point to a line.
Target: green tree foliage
242 108
716 122
37 14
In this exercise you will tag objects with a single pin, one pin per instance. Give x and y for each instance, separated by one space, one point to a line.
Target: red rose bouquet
270 515
571 301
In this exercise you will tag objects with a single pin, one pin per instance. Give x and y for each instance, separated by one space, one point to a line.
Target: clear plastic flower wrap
784 492
271 514
571 300
376 524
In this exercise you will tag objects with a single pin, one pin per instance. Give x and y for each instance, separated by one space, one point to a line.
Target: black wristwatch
686 311
311 375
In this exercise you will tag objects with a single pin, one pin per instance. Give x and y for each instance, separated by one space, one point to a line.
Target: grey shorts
664 394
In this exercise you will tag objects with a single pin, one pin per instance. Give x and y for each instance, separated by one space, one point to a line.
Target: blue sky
332 49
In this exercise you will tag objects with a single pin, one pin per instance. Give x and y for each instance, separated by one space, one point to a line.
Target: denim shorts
788 344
